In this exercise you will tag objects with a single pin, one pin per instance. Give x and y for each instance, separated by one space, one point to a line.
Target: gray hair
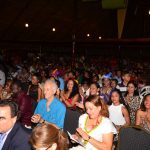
52 83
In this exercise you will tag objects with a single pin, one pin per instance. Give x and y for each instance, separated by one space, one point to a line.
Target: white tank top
115 114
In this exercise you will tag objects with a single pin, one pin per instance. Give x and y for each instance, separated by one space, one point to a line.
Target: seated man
50 109
13 136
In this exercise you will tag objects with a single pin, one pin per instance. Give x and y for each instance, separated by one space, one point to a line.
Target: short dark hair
13 106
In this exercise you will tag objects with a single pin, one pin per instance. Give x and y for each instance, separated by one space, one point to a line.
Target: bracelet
43 121
89 137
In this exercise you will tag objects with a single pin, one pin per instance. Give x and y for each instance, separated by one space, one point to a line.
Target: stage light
26 25
53 29
88 35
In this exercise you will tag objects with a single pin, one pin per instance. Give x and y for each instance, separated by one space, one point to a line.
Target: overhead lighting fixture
88 35
26 25
53 29
100 37
149 12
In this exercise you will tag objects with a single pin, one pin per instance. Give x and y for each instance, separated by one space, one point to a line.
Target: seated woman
95 129
70 95
7 90
132 100
143 114
48 137
94 90
34 90
106 88
118 113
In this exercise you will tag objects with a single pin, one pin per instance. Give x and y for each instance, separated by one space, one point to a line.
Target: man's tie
2 136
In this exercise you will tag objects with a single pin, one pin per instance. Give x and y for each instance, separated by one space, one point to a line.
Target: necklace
90 127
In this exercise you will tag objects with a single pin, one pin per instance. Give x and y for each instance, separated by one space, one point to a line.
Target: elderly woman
48 137
95 129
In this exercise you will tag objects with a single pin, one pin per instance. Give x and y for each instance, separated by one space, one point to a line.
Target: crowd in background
112 88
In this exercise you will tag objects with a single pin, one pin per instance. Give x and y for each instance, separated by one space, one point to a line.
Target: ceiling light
88 35
100 37
53 29
26 25
149 12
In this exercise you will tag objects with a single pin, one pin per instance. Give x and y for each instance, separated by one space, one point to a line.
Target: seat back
133 138
71 120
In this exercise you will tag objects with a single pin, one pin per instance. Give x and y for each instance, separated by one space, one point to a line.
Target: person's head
126 76
95 78
72 86
118 73
8 115
85 84
35 79
95 107
94 89
106 81
71 74
132 88
116 97
50 88
48 137
145 105
114 83
17 86
8 85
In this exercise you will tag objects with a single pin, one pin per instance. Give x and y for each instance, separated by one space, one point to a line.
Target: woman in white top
118 113
95 129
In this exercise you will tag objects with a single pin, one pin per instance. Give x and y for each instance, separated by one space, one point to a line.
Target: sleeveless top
115 114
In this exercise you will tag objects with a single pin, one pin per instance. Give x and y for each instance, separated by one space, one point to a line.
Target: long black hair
75 89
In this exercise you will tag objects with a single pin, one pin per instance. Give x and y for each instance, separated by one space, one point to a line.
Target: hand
80 105
36 118
83 134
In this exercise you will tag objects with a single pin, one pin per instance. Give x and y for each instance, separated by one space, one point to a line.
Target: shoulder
57 102
42 101
140 112
107 126
18 138
84 116
19 132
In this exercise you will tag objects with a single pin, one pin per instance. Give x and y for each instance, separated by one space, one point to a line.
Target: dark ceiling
69 17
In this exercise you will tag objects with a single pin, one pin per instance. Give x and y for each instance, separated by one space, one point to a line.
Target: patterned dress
133 102
145 123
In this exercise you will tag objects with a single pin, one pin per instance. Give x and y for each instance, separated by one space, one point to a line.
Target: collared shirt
4 138
55 113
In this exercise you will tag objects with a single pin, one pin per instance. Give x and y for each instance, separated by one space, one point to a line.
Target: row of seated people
95 130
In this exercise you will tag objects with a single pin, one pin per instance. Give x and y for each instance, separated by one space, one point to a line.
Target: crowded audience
39 91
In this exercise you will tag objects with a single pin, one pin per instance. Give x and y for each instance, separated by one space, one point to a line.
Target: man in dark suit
13 136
